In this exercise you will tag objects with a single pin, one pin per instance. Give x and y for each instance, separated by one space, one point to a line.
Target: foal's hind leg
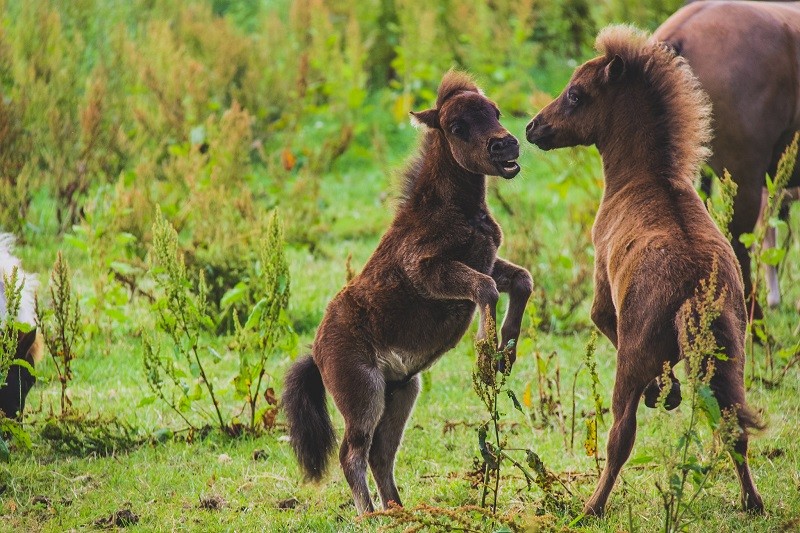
398 404
630 383
359 395
728 386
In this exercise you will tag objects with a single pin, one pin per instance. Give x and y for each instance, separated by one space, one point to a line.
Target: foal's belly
419 339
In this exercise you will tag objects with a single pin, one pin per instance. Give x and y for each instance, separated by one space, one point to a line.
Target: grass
219 483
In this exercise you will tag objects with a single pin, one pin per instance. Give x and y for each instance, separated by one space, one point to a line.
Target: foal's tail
310 429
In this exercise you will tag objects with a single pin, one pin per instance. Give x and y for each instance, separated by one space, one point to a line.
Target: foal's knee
523 284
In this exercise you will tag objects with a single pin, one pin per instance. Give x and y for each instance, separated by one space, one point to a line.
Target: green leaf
26 365
234 295
517 405
709 405
76 242
122 268
5 453
773 256
255 314
640 460
147 400
748 239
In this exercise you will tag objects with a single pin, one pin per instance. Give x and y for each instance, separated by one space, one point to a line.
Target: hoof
753 505
590 511
653 391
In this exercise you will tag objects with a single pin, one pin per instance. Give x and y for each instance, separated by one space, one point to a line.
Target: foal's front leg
452 280
517 282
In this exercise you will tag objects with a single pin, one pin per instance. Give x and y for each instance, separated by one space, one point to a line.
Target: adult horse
747 58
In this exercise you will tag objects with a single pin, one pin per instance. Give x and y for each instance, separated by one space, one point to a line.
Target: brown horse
654 240
747 58
19 380
414 299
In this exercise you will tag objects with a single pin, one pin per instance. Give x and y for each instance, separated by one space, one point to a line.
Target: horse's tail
310 429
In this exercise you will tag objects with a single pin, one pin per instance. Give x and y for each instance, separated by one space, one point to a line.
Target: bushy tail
310 429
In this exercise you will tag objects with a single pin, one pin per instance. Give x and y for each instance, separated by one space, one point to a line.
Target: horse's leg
748 172
628 387
358 392
398 405
452 280
517 282
728 386
773 288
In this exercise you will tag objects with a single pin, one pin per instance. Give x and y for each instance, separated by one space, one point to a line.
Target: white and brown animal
30 346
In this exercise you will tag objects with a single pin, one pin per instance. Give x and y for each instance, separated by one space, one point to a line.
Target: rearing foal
654 240
414 299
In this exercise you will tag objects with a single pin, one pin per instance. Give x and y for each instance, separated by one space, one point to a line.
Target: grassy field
169 86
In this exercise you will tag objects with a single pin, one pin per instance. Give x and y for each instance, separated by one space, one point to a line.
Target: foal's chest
484 240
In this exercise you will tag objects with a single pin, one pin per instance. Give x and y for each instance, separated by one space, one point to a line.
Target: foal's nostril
531 125
499 144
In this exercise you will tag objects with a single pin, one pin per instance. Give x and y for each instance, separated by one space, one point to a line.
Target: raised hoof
653 391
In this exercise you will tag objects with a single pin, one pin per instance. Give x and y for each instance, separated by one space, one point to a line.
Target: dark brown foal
415 298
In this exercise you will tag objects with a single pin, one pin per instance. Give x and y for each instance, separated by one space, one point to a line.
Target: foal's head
637 90
470 123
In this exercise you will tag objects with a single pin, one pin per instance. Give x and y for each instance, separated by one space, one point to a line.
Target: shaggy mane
685 117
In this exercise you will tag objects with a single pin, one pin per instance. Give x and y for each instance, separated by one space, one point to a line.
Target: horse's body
654 240
29 346
414 299
747 58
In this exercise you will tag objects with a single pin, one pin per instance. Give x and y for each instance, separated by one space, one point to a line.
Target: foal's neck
638 155
441 181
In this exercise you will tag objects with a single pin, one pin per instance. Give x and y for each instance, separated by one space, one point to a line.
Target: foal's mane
454 82
683 110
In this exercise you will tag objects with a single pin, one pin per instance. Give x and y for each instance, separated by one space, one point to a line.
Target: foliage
490 384
182 315
82 436
60 325
267 332
761 256
722 210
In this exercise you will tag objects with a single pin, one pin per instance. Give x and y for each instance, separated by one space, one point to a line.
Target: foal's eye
572 97
458 129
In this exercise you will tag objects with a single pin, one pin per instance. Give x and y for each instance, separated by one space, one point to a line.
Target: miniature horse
753 81
19 379
654 240
414 299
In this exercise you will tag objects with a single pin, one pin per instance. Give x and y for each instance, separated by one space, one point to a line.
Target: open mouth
508 169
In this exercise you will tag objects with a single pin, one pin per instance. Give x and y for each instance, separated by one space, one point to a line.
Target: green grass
164 483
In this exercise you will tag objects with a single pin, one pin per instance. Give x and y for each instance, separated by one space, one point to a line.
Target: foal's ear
429 117
615 69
